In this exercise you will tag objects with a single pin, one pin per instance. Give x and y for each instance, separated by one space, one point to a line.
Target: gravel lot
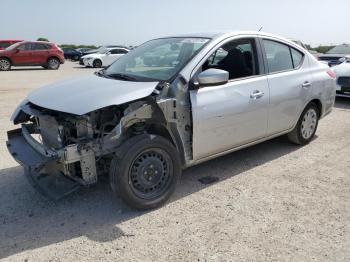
273 202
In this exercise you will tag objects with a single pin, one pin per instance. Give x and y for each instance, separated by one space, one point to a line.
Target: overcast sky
135 21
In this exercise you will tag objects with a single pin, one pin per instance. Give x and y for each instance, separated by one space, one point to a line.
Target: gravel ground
272 202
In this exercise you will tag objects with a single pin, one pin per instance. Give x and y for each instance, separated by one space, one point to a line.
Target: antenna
260 29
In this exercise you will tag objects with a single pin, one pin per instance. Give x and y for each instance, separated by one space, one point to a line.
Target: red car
36 53
6 43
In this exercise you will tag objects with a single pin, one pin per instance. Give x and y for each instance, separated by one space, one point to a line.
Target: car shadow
29 221
342 102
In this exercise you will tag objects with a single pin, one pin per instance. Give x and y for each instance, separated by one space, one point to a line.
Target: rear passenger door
289 81
39 52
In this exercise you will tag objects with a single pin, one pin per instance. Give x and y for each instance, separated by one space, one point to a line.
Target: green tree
43 39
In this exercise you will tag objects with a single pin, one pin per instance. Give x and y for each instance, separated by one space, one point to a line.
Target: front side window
25 47
278 56
117 51
157 60
238 57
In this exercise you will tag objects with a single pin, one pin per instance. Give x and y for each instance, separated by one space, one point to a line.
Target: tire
305 129
5 64
144 171
53 63
97 63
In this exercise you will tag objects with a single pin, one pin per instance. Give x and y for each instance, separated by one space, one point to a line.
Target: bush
43 39
77 46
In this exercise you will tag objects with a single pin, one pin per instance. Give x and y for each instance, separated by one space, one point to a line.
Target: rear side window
281 57
40 46
278 56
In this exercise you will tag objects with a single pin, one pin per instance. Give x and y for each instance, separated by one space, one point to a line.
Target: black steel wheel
145 170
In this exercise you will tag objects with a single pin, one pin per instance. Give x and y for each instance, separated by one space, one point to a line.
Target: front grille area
344 81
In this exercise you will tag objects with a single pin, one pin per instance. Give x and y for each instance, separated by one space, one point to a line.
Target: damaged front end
61 152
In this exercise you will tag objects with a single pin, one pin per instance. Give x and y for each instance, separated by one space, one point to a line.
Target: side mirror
211 77
108 53
17 51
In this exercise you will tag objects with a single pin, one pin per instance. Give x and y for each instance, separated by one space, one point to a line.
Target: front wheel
97 63
145 171
306 127
5 64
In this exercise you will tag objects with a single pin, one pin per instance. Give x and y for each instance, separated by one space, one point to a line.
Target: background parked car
104 58
342 72
6 43
333 56
71 53
36 53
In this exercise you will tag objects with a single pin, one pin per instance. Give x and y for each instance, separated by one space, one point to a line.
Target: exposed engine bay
81 146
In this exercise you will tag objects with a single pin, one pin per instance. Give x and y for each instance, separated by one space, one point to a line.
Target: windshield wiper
121 76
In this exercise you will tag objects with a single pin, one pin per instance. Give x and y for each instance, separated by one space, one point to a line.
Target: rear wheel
306 127
145 170
53 63
5 64
97 63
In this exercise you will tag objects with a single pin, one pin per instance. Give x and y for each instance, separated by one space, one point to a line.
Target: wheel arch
53 56
165 131
5 57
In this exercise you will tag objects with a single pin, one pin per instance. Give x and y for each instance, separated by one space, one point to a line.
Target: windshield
340 49
157 60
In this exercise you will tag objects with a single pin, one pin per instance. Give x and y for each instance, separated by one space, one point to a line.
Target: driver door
23 55
230 115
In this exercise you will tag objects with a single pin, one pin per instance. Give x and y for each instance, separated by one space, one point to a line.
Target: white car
342 72
104 57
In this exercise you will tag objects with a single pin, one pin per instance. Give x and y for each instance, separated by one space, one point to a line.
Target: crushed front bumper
45 168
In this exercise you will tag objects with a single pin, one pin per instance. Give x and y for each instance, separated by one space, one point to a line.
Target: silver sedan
169 104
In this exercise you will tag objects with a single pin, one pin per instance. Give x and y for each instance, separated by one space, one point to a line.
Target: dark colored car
72 54
35 53
6 43
332 57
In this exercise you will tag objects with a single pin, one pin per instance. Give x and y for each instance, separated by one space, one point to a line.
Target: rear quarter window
297 57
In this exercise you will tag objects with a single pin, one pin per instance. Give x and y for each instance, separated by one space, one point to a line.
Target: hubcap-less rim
308 125
4 64
53 63
150 173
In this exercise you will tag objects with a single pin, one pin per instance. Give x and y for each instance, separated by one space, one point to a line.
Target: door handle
306 84
256 94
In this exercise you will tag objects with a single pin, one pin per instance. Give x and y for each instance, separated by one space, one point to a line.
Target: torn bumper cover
49 170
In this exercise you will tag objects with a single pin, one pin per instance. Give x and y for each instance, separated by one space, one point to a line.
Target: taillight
331 73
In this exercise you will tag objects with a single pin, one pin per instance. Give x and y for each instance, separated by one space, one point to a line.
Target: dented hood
82 95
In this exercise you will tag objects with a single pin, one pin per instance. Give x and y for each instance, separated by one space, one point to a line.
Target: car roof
228 33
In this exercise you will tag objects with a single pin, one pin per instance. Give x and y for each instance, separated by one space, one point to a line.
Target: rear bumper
44 168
